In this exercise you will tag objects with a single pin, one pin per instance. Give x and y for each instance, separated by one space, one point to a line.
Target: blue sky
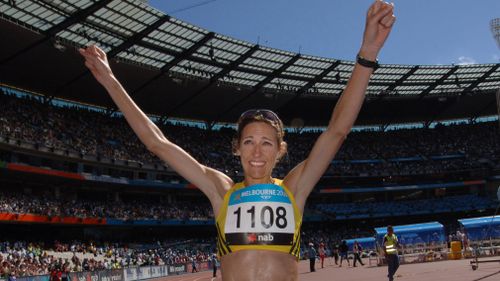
426 32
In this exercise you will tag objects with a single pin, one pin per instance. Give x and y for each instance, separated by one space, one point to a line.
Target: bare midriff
262 265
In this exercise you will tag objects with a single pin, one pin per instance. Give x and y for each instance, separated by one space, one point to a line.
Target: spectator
312 257
357 250
344 249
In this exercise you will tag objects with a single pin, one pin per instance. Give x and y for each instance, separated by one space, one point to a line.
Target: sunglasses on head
265 113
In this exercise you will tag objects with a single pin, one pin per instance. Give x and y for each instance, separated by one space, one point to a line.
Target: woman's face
259 151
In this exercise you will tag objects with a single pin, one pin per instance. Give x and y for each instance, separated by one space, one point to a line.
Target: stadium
82 197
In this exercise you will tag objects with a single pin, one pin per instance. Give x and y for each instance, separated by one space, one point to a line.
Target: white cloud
462 60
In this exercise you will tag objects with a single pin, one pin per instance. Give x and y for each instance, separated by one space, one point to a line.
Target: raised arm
302 179
210 181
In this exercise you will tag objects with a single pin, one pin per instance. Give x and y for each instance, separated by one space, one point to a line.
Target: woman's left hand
379 21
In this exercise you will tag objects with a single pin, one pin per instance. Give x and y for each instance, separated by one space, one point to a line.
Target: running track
458 270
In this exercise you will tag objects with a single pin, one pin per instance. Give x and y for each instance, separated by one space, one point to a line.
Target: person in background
344 249
214 265
322 253
335 252
312 257
391 245
357 250
193 265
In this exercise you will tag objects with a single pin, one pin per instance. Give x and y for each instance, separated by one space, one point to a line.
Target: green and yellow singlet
259 217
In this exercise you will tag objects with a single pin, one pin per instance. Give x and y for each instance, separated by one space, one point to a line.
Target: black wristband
367 63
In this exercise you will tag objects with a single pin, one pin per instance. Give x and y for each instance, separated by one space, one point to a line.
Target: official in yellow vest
391 245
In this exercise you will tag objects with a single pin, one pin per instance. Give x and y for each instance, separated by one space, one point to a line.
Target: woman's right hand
97 62
210 181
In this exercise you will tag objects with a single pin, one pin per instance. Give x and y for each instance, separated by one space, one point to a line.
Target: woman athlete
258 220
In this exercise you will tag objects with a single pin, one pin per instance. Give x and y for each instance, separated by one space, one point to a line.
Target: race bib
260 214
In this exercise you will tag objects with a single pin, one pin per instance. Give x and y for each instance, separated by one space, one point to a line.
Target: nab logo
237 196
265 197
252 238
266 237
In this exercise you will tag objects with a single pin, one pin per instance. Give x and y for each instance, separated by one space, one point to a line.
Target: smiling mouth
257 163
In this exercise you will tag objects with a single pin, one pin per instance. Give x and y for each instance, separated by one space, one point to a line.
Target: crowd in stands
29 258
407 207
18 203
142 209
400 152
22 258
88 132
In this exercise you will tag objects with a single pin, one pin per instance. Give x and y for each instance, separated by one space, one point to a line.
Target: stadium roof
175 69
